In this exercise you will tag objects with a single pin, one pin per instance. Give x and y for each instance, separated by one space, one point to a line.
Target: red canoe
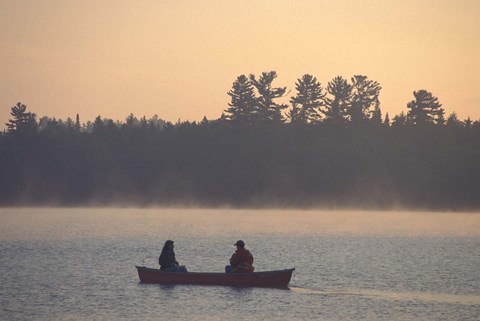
272 279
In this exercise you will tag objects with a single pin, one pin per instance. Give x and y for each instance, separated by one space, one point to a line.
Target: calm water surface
78 264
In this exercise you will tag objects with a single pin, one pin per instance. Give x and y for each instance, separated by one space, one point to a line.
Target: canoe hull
274 279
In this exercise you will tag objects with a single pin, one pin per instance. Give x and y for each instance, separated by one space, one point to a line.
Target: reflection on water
71 223
398 296
78 264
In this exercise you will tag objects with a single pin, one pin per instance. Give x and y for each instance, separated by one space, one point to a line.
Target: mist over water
39 223
79 264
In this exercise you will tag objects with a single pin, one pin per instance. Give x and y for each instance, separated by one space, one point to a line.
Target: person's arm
166 260
235 260
250 258
162 260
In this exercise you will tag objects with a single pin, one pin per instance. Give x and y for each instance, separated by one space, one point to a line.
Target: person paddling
241 261
167 260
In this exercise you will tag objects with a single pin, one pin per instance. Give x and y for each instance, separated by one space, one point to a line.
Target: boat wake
396 296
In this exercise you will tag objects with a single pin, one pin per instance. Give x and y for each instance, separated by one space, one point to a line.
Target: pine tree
77 123
22 120
425 109
364 95
241 108
336 107
98 124
453 121
310 97
377 113
468 123
132 121
400 120
267 110
386 122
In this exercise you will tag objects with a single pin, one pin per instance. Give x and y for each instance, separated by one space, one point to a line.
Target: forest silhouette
331 147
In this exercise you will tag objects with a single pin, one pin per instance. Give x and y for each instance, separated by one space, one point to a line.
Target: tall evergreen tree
131 121
377 113
310 97
242 107
98 124
364 95
386 122
156 123
453 121
268 111
441 118
22 120
424 109
468 123
336 106
143 122
43 123
77 123
400 120
69 123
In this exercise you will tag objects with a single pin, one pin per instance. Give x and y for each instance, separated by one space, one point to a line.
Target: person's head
168 245
240 244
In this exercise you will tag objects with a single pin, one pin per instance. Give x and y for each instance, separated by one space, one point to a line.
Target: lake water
78 264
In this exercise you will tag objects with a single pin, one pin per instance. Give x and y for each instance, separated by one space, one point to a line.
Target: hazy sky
178 58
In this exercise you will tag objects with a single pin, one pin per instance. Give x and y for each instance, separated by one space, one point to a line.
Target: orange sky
178 58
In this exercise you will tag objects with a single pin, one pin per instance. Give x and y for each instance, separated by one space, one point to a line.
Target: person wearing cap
167 260
241 261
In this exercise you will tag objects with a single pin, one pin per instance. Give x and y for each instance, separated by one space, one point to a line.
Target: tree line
357 101
330 148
